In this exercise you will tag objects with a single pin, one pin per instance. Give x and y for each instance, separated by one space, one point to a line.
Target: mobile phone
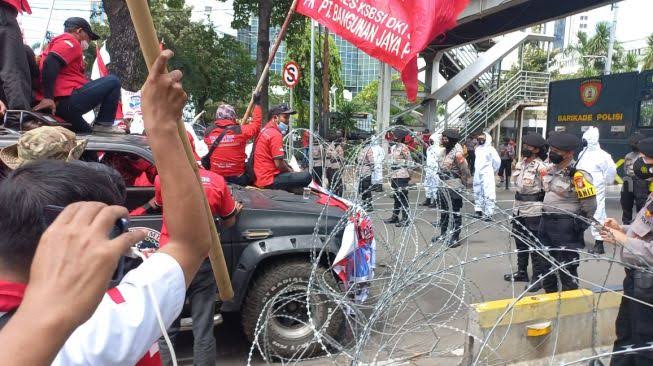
50 213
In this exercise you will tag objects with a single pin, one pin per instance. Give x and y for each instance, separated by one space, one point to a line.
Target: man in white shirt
124 327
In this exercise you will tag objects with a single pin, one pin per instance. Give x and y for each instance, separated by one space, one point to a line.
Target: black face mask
555 158
526 153
642 169
634 148
481 142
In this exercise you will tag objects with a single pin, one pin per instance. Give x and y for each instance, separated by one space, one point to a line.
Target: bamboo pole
273 52
142 19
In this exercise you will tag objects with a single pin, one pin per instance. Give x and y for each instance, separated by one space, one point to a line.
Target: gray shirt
569 194
638 249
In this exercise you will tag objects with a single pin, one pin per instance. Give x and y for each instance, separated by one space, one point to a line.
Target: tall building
358 69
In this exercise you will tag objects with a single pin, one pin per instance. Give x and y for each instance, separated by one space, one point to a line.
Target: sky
634 23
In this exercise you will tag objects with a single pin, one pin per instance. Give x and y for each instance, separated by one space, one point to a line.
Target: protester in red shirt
228 158
270 168
15 79
67 92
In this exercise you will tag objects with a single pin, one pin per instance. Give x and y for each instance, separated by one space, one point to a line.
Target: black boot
478 214
393 220
535 285
427 202
454 241
403 222
598 247
519 276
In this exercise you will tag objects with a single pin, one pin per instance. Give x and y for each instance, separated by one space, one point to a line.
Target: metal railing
483 108
465 56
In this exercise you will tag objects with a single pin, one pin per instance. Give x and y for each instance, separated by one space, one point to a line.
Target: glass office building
358 69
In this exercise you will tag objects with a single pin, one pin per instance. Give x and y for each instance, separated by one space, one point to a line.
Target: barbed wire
422 290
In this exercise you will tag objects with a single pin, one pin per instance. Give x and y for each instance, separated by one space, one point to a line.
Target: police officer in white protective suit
434 154
600 165
486 165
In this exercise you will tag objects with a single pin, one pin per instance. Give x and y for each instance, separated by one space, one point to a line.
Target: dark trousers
202 296
471 157
526 229
634 327
365 190
104 92
634 192
289 181
15 78
241 180
557 231
317 174
450 210
335 180
400 196
505 171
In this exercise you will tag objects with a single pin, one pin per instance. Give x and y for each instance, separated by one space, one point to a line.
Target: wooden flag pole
273 52
142 19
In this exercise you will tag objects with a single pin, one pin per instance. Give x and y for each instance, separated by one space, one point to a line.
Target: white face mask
84 45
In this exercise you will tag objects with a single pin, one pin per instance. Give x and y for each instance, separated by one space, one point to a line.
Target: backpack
206 159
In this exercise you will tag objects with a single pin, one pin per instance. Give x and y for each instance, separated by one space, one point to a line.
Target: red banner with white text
393 31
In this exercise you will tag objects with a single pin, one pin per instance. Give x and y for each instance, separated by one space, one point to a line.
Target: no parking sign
291 74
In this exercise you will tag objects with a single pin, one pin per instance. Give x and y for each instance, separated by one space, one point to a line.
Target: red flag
393 31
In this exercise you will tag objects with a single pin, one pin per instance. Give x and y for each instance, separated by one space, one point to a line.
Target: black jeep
269 251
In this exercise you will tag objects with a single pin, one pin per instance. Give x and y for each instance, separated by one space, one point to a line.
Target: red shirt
71 76
217 193
20 5
229 157
269 146
305 139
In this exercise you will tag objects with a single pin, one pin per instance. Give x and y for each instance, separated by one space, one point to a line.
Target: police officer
635 243
335 156
528 178
400 161
454 173
569 192
635 190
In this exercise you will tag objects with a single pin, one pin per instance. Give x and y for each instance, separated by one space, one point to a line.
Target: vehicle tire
286 332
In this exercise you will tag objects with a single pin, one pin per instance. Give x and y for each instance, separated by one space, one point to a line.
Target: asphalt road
483 278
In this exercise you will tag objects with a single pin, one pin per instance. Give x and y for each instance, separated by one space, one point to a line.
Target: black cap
564 141
399 133
281 109
534 140
451 133
645 146
76 22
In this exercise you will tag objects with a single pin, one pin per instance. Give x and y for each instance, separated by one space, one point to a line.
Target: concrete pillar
431 79
384 94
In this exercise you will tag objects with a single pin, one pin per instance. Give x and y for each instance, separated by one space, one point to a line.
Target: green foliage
216 68
534 59
298 49
343 119
647 62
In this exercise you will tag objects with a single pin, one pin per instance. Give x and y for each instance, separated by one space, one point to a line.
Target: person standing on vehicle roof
66 91
270 168
528 178
227 141
335 156
600 165
15 77
454 173
635 190
569 192
400 162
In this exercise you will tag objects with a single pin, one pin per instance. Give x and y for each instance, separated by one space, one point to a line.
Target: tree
298 50
592 52
630 63
344 118
269 13
647 62
215 68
